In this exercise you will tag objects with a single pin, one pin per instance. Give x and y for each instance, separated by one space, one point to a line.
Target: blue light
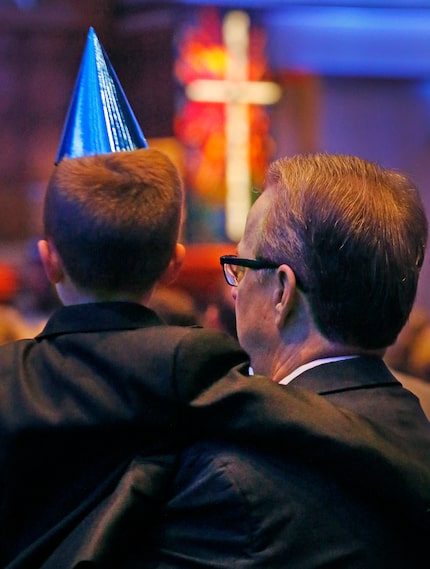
351 41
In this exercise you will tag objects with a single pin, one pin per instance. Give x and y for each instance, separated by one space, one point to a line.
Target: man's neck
294 356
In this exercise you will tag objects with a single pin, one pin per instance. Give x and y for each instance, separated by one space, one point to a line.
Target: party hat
100 119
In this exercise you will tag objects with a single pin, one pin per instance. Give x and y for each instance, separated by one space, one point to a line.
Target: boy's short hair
114 218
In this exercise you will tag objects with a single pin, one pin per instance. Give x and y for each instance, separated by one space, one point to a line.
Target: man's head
114 220
350 238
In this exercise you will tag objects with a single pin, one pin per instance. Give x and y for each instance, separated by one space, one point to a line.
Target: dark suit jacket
106 386
232 507
99 383
420 387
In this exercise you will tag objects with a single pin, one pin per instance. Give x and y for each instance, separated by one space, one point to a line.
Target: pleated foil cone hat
100 119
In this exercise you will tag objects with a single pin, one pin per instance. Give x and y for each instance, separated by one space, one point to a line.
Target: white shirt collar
310 365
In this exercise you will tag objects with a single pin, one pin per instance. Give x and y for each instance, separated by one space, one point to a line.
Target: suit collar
355 373
301 369
99 316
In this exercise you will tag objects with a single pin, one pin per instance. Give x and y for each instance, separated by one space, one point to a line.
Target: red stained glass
200 126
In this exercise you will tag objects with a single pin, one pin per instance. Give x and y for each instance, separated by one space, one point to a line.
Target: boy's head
114 219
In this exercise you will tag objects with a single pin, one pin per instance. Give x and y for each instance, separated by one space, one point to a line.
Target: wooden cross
237 93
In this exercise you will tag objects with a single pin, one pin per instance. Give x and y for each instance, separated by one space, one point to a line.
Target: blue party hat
100 119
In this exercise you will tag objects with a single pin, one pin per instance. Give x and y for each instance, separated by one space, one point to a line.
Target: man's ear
175 265
284 294
51 261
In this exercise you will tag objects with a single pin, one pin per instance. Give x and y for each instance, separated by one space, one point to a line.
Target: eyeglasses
234 268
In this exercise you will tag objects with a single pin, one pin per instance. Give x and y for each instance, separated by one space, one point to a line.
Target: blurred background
224 88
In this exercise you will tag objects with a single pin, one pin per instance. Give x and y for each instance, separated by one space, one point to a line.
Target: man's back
232 507
235 508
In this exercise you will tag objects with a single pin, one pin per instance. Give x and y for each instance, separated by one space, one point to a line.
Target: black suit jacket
99 383
106 386
233 507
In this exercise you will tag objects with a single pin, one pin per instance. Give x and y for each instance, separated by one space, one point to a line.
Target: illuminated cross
237 93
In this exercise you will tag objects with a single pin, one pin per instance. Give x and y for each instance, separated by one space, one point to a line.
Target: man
324 280
96 409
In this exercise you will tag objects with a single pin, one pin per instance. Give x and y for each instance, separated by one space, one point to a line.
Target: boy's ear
172 271
50 260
